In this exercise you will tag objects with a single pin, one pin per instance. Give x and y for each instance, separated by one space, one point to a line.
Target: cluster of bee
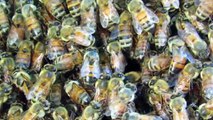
106 59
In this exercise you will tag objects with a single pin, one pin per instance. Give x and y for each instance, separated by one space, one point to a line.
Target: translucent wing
114 14
176 4
153 17
104 20
137 27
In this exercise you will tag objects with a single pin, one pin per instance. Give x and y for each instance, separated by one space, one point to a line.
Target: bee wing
190 28
27 9
182 34
115 15
89 23
104 20
153 17
197 2
188 55
137 27
176 4
166 3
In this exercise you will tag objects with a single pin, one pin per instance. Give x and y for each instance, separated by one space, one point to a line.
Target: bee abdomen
74 8
204 11
59 11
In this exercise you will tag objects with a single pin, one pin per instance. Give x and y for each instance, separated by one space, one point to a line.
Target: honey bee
15 36
60 113
206 75
101 90
159 96
68 61
188 9
170 4
161 31
7 65
92 112
78 35
105 63
90 70
137 116
23 56
4 24
146 74
205 110
5 90
15 112
185 78
22 80
42 87
143 19
77 93
159 63
55 7
125 30
180 54
121 103
205 9
35 111
88 15
55 48
114 84
47 17
55 94
141 45
38 56
178 106
192 39
118 60
32 22
108 14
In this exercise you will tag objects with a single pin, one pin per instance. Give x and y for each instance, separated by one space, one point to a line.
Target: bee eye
152 82
24 50
138 10
211 26
187 5
87 9
151 91
7 90
58 32
106 4
56 23
120 75
47 42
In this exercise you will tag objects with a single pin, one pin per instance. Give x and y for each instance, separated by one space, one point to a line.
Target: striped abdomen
205 9
23 60
177 64
125 36
144 20
33 26
74 7
55 48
